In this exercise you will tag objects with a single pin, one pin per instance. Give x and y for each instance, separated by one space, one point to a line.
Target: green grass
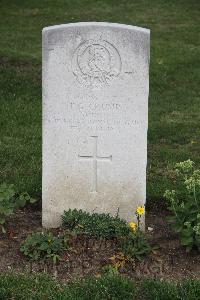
20 287
162 290
39 287
174 123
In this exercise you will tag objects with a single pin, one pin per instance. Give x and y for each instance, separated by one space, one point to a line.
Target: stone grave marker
95 118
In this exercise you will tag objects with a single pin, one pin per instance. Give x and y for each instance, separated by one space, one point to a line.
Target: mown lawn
174 113
38 287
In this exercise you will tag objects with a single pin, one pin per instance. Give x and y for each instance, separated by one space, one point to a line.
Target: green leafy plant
101 225
136 244
184 203
132 240
10 201
42 246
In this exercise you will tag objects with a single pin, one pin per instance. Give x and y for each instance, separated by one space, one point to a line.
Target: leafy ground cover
105 287
91 255
174 123
131 242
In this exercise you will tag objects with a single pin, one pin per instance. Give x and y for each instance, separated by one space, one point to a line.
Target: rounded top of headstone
96 24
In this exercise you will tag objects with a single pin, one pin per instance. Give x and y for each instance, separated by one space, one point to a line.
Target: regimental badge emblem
96 63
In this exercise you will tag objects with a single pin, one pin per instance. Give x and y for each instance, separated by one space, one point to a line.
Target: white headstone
95 118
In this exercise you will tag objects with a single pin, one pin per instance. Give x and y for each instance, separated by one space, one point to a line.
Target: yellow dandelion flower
133 225
140 210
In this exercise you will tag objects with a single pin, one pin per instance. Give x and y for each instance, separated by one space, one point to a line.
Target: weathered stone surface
95 112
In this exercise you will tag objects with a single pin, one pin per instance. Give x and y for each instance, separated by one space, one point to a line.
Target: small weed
10 201
135 244
41 246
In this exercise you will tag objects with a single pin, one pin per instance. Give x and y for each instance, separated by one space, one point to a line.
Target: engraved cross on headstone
95 158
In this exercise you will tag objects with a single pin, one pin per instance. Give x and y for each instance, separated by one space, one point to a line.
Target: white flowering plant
184 203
